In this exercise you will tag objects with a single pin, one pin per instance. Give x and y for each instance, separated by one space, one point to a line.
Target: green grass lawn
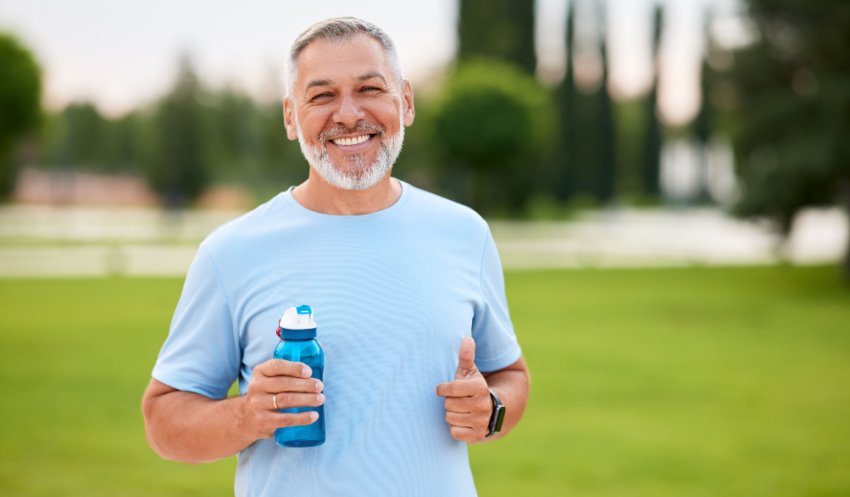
679 382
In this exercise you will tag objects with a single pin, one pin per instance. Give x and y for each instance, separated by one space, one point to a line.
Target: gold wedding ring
274 401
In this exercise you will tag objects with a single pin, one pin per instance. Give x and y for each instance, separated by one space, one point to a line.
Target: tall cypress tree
651 167
702 125
565 162
502 29
607 152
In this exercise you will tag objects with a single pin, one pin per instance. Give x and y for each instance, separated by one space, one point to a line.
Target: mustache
360 127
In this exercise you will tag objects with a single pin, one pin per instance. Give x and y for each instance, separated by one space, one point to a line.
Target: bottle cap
297 322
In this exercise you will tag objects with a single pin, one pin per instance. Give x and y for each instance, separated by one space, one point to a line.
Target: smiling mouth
351 140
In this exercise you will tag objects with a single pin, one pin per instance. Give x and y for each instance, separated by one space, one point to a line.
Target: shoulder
248 229
431 209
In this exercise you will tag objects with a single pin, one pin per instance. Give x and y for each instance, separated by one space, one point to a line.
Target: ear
289 119
408 108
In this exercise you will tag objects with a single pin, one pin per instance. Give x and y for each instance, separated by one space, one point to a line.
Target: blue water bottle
297 331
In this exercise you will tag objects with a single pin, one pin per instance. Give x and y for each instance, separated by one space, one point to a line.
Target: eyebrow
318 82
364 77
373 74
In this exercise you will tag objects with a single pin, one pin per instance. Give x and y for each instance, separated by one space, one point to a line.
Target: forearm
511 386
188 427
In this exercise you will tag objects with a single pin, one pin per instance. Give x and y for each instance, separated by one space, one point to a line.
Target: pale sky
123 53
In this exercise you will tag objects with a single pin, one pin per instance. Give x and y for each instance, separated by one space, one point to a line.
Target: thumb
466 359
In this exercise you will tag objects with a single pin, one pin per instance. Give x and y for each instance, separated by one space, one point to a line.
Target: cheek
312 123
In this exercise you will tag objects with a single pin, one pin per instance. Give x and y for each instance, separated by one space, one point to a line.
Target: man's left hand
468 403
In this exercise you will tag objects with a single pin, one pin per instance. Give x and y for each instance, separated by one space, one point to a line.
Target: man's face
348 111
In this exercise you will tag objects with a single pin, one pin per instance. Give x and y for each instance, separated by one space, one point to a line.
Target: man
408 293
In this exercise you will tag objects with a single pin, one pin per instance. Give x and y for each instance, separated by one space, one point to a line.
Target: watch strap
497 416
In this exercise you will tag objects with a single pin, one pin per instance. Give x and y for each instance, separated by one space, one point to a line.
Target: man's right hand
189 427
286 384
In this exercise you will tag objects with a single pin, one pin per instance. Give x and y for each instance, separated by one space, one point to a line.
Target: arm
511 384
468 405
190 427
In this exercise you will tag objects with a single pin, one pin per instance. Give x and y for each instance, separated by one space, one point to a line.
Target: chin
344 180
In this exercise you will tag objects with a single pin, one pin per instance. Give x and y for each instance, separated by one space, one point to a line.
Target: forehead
340 61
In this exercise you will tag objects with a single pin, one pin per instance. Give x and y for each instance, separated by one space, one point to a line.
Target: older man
421 356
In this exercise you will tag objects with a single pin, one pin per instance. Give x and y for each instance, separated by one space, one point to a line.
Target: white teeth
355 140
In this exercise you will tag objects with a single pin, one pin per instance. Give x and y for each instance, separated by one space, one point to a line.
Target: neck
318 195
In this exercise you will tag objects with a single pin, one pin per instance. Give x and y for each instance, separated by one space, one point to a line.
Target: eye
370 89
321 96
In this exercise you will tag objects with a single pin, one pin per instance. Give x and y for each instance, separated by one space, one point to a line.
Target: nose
348 113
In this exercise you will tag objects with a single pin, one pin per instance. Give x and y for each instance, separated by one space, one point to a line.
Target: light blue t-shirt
393 293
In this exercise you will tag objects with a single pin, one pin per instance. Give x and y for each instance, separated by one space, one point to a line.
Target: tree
20 93
607 143
178 169
651 166
702 123
492 123
500 29
120 150
586 160
567 97
282 161
790 101
233 132
79 137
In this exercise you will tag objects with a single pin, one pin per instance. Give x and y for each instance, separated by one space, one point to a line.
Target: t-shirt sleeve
496 346
202 353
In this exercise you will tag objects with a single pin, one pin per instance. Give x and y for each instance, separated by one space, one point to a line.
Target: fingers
277 375
468 417
288 384
462 388
285 391
466 359
468 405
468 427
294 419
284 383
280 367
468 435
269 421
285 400
459 420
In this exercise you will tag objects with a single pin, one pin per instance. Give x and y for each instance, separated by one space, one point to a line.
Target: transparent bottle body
310 353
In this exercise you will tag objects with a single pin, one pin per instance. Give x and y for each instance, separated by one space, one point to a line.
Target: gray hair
339 29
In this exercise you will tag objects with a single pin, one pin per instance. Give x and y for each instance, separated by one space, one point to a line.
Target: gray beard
362 175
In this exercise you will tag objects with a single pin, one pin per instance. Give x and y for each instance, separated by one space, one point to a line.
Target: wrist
497 415
245 429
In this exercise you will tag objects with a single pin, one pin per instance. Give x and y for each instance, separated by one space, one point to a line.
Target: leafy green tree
233 127
20 108
283 164
79 137
492 123
120 149
789 94
178 169
499 29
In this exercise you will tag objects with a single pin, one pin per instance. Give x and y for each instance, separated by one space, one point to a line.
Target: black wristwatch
498 415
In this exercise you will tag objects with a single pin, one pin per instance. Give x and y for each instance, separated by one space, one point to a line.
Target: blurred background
668 183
